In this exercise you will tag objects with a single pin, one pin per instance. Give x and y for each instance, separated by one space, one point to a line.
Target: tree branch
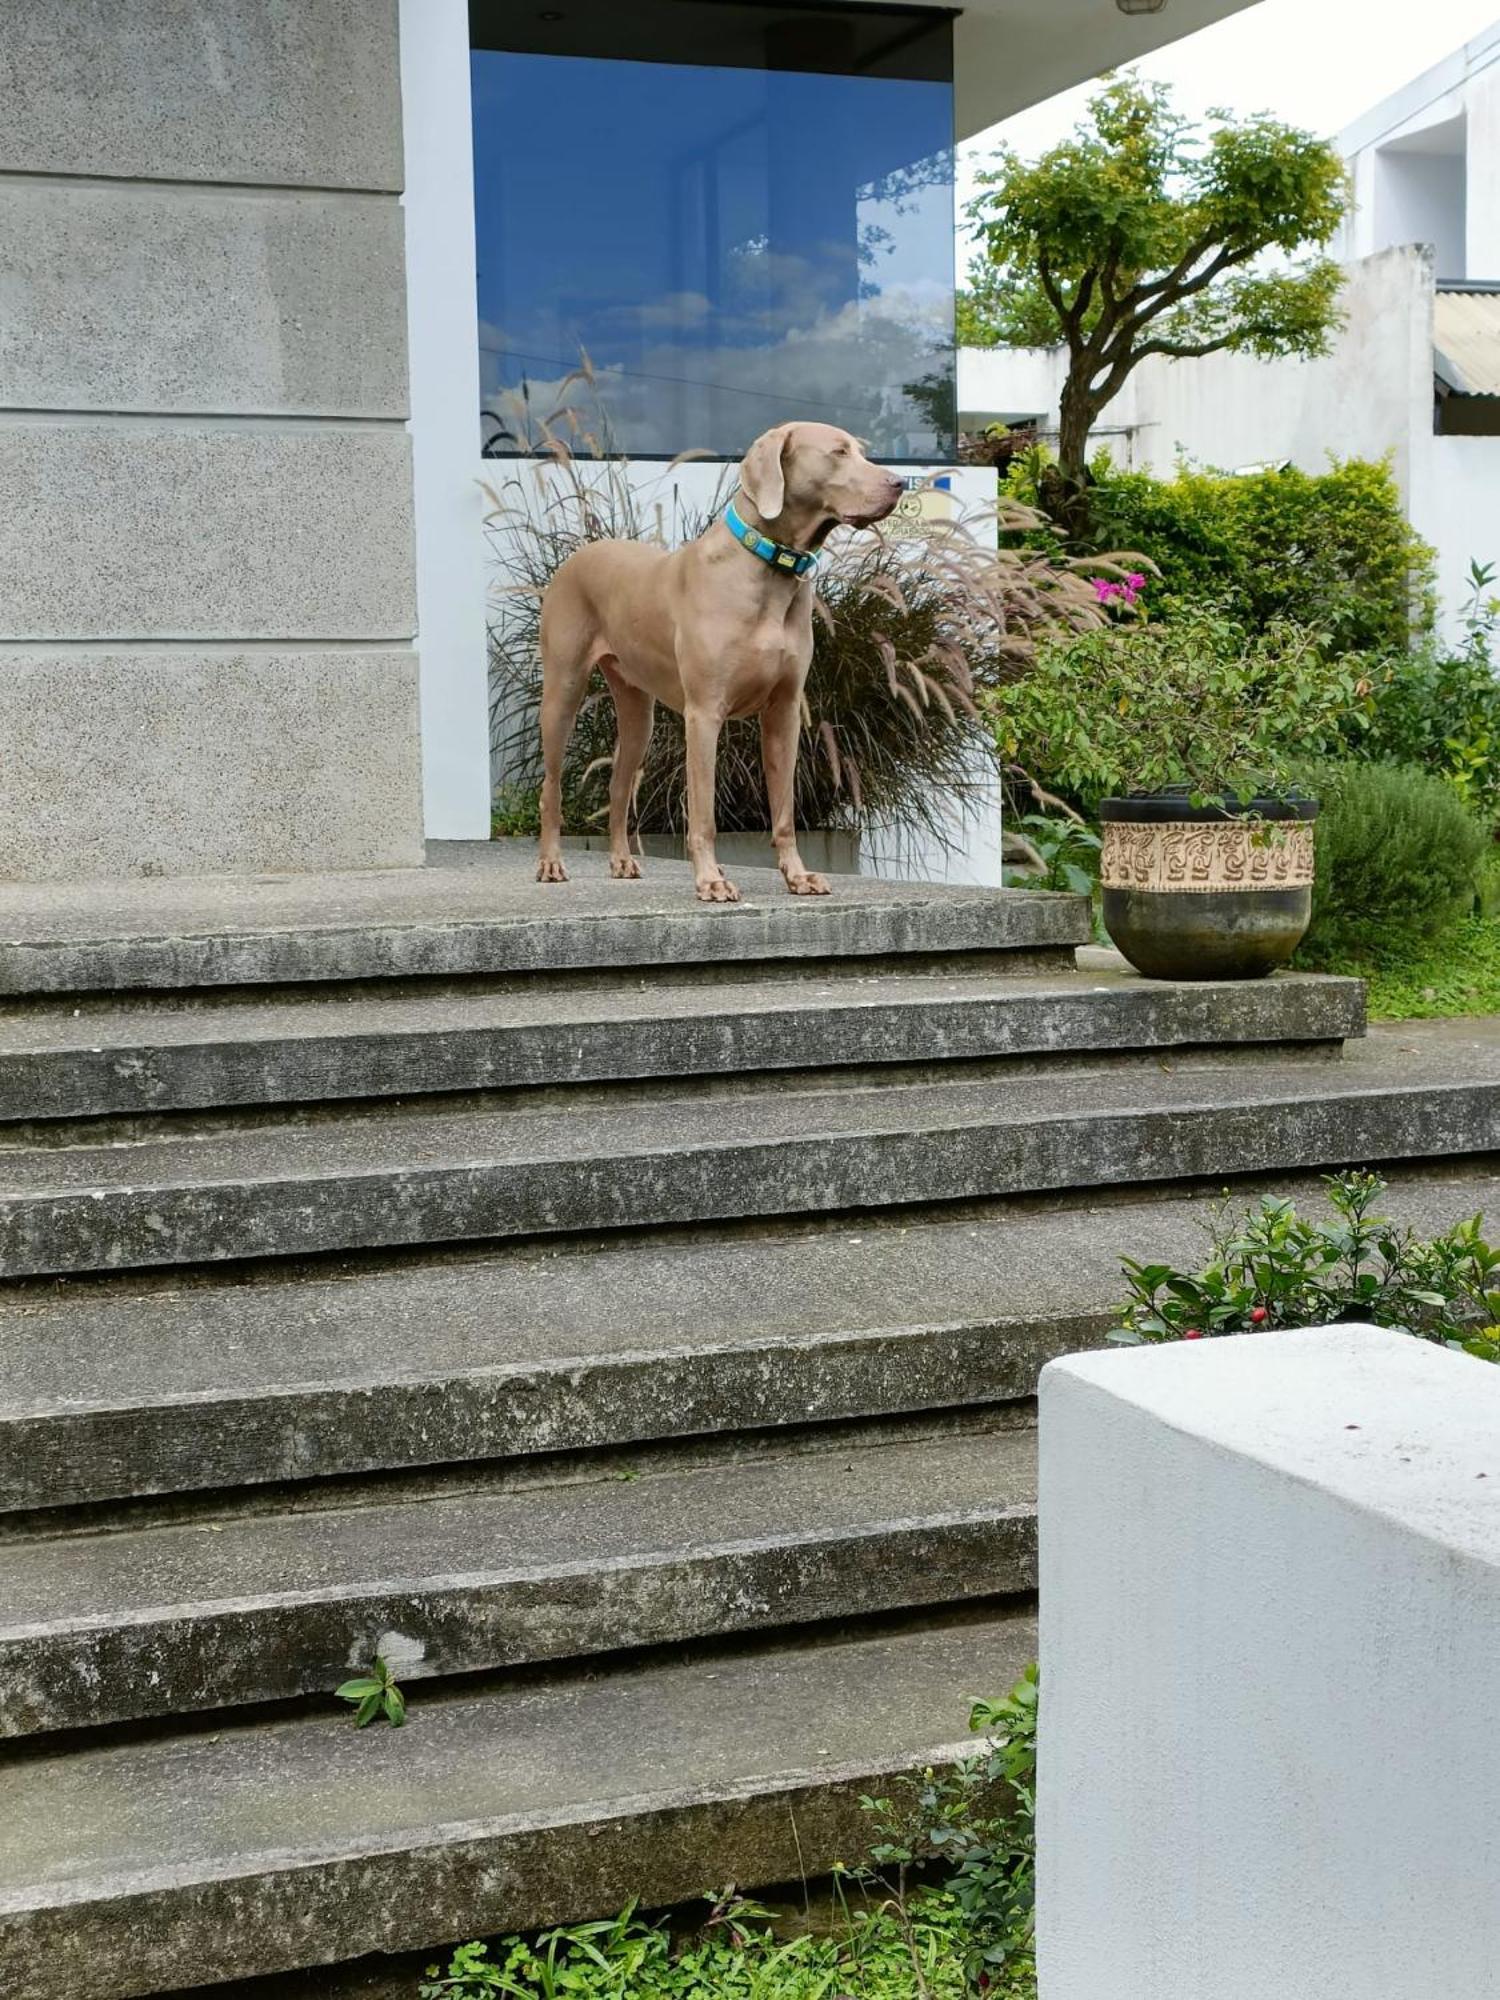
1226 260
1140 293
1185 350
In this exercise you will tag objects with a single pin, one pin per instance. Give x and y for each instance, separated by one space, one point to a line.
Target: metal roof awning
1466 339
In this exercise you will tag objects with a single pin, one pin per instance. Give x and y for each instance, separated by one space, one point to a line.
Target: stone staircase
624 1316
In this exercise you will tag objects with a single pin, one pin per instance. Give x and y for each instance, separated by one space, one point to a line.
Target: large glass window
741 214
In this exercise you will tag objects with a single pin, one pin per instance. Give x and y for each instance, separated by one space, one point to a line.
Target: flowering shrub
1331 549
1196 702
1277 1268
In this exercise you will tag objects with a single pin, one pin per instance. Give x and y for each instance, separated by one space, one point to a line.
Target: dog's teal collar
791 562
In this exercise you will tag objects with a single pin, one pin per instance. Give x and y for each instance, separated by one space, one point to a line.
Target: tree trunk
1077 411
1064 493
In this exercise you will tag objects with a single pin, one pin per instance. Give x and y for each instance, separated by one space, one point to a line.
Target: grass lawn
1462 976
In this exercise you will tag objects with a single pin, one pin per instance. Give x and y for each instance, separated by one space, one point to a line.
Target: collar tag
789 561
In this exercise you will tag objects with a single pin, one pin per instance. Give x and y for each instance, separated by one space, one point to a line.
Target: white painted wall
1419 198
1460 513
1270 1616
444 346
1482 100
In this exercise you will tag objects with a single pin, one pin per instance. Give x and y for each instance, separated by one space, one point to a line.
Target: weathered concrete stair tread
62 1064
430 1178
124 1869
475 908
207 1614
105 1394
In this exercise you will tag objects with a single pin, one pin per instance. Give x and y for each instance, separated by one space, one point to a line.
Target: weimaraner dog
719 628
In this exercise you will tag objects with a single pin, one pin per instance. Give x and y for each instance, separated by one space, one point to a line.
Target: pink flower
1127 593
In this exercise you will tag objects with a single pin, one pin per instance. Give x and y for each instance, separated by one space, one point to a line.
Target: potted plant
1184 737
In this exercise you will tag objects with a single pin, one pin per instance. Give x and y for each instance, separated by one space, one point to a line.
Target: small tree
1143 235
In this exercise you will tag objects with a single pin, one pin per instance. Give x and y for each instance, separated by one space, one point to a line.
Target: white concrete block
1270 1756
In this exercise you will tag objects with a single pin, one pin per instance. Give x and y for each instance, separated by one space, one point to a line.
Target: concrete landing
476 908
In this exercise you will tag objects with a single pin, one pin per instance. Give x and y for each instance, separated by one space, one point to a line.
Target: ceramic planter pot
1196 892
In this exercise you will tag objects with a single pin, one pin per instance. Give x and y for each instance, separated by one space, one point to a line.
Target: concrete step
132 1867
112 1390
465 1174
60 1063
221 1610
477 911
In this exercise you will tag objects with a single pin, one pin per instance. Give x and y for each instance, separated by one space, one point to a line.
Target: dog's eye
841 451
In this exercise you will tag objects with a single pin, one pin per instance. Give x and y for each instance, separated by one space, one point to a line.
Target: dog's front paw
550 869
625 868
807 884
717 889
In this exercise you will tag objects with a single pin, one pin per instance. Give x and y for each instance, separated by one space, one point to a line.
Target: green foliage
375 1694
1398 863
877 1953
1194 702
977 1820
516 811
1276 1268
1333 550
1143 234
1441 711
1067 850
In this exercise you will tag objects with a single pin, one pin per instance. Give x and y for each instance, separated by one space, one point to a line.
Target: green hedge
1399 862
1331 549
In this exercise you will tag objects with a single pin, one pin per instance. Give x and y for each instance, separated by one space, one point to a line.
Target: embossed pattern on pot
1205 856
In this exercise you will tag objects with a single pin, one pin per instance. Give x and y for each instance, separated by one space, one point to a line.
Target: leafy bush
978 1821
1441 712
1330 550
908 635
1196 701
1063 854
1399 859
1277 1268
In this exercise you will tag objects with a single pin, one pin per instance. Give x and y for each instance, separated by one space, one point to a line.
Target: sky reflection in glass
732 248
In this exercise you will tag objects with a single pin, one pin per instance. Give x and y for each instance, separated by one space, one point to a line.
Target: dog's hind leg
635 711
568 651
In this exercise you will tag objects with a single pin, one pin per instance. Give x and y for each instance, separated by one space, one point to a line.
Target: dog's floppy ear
761 477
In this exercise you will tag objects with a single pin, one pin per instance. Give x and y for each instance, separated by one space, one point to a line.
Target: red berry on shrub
1192 1333
1259 1316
